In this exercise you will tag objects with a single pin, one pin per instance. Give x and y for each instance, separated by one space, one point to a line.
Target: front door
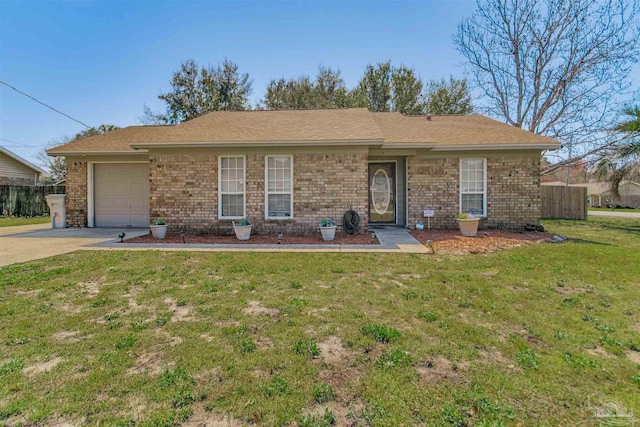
382 193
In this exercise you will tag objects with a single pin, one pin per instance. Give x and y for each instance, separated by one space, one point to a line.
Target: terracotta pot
468 227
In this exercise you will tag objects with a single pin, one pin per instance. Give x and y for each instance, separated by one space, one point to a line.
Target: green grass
23 220
539 335
615 210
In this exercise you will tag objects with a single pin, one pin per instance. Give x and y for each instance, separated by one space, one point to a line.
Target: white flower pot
243 232
328 233
468 227
158 231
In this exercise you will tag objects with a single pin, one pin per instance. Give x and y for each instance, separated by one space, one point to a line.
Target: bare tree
558 68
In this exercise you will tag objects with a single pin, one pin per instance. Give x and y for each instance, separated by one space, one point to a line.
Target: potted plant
158 229
468 224
328 229
242 229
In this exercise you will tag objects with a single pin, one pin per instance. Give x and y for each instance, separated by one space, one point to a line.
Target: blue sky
101 61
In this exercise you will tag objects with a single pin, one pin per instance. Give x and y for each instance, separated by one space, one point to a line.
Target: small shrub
210 286
428 316
579 362
636 379
112 316
163 318
559 335
183 397
380 333
409 294
603 327
325 420
393 359
570 301
465 303
248 287
296 285
306 348
634 345
175 377
323 392
125 342
276 386
527 359
10 367
181 303
139 326
99 302
454 416
588 318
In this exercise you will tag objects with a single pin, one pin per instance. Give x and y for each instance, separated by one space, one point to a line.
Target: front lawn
540 335
12 221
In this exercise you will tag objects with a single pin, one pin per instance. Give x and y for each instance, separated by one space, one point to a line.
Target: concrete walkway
392 239
614 214
32 242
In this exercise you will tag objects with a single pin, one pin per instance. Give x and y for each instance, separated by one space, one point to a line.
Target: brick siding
183 190
76 189
513 190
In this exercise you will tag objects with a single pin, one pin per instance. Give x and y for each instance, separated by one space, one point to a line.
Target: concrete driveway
615 214
29 242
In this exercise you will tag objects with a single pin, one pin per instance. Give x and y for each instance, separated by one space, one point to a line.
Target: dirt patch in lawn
634 356
345 414
451 242
67 336
264 344
333 352
149 362
202 418
181 313
439 368
256 309
259 239
41 367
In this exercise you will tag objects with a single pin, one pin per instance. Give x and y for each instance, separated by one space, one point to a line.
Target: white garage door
121 194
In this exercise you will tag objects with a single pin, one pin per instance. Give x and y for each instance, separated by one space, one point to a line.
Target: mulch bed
451 242
259 239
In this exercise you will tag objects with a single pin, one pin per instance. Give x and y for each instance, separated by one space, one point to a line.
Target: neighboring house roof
21 161
350 126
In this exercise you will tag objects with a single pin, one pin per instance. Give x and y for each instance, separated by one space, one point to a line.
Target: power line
46 105
19 144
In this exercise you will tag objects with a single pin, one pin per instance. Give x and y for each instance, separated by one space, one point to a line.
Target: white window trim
244 186
266 187
484 189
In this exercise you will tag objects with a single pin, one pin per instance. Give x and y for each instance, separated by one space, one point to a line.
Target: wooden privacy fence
26 200
563 202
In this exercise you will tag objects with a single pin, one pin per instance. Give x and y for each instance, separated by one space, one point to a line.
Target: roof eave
236 144
491 147
21 160
96 153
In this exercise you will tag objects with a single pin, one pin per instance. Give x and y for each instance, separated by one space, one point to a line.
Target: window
231 193
279 187
473 186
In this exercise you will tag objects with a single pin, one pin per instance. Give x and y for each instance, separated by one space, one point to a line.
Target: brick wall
76 189
513 190
183 190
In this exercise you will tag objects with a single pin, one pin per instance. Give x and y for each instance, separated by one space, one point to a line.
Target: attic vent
428 117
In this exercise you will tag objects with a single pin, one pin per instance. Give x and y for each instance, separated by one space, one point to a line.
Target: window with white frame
279 187
231 187
473 186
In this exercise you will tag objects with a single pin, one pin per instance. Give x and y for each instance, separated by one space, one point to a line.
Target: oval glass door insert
381 191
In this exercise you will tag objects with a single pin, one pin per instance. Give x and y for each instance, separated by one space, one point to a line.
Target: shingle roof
353 124
348 126
116 141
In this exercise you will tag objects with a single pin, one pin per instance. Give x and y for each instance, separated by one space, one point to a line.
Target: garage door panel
121 195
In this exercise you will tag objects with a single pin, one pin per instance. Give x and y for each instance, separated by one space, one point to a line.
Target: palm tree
623 160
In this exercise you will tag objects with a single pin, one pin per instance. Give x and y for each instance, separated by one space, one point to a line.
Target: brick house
286 169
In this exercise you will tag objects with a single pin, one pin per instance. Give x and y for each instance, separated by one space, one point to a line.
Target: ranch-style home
284 170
